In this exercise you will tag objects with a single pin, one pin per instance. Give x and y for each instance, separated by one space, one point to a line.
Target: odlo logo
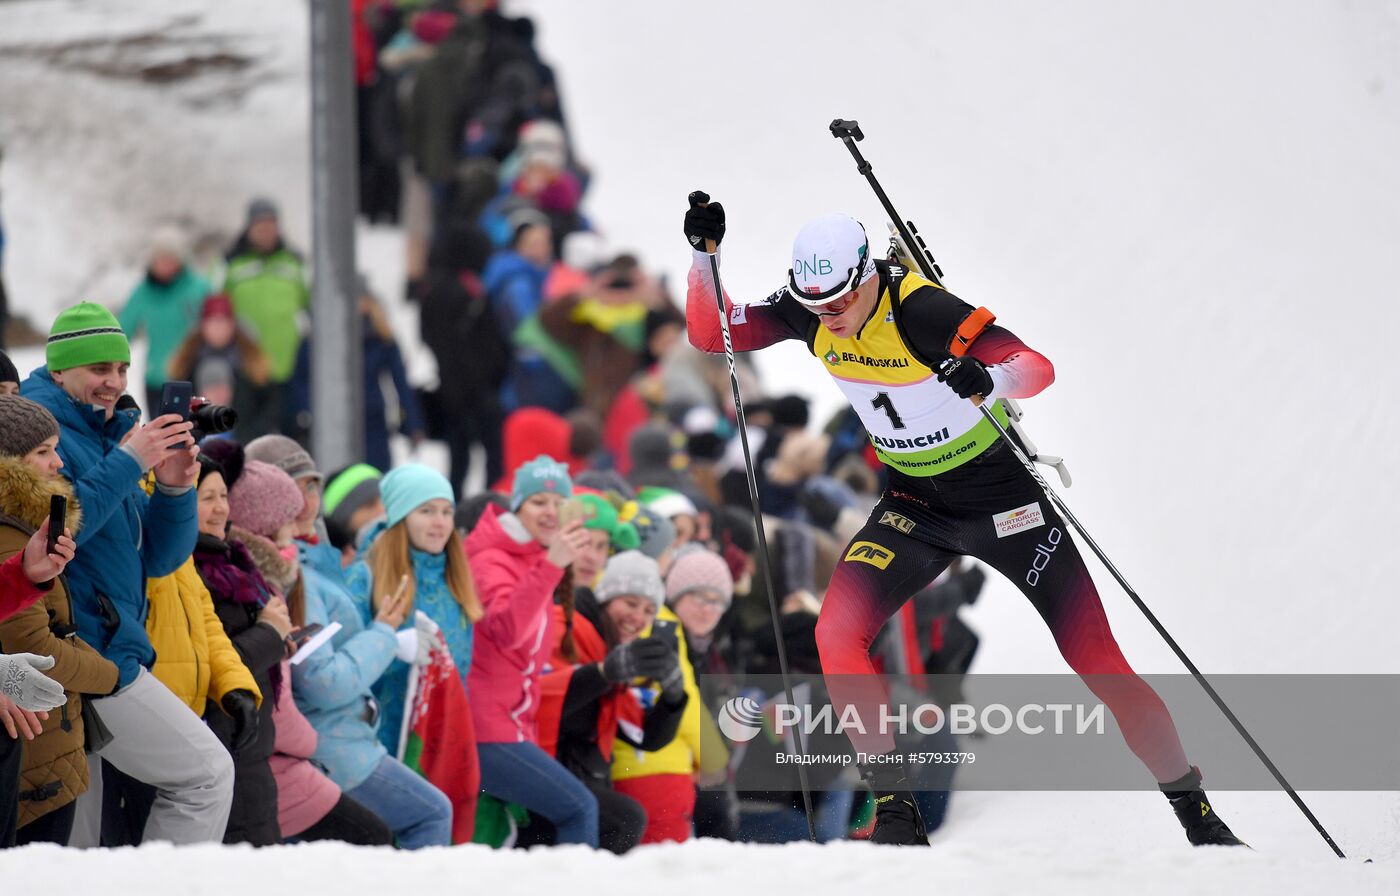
740 719
1042 555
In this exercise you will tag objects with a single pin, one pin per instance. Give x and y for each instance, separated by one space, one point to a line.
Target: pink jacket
304 793
512 641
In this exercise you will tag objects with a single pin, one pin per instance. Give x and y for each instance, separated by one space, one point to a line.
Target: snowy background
1189 207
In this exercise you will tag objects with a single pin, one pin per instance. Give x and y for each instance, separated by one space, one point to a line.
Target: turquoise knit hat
543 474
404 489
87 333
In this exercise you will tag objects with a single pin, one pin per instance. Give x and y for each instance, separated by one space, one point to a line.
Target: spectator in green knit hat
88 356
600 522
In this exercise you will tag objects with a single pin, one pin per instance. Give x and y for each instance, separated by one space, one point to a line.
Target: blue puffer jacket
431 595
125 538
332 686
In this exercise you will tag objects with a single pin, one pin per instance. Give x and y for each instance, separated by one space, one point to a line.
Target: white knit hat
631 572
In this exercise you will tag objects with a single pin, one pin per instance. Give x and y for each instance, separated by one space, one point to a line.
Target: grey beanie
24 425
631 572
284 454
260 208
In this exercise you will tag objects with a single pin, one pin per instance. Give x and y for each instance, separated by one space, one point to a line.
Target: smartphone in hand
570 510
175 398
58 513
300 636
665 630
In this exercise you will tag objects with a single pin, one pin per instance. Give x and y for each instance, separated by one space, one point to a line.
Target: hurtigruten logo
1018 519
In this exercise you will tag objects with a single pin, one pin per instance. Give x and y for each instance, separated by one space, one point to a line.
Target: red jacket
512 640
618 704
16 591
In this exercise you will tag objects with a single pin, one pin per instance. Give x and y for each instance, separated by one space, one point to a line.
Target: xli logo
740 719
870 552
895 521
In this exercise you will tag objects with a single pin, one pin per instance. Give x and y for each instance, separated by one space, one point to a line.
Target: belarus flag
439 741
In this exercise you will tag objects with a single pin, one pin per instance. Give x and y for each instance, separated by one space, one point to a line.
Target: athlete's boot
1193 810
897 819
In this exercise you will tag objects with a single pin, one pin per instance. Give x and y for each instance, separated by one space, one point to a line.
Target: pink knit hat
263 500
698 569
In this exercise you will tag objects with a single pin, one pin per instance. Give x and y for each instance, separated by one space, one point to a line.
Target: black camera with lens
210 419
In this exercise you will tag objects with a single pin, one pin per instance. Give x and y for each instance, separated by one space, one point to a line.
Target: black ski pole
711 249
849 132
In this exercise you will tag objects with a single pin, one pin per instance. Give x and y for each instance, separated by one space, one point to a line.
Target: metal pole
764 562
337 391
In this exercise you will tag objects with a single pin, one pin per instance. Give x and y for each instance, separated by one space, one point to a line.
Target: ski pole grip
710 247
976 401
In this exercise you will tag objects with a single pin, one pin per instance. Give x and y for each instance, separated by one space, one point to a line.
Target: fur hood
275 568
24 496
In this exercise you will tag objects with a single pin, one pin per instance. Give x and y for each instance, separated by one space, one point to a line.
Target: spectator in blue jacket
417 538
332 689
125 538
514 279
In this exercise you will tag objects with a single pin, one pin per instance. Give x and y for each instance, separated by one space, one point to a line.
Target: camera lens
214 418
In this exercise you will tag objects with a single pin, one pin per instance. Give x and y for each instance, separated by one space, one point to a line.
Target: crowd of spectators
230 643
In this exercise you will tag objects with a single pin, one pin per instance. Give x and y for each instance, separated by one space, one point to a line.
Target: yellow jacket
682 756
194 657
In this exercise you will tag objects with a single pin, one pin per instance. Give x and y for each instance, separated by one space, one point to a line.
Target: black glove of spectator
966 376
242 707
704 223
673 683
642 658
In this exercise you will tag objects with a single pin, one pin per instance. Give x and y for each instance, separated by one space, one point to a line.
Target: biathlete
909 356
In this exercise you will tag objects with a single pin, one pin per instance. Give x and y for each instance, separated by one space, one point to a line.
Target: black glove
643 658
242 707
703 223
673 684
965 376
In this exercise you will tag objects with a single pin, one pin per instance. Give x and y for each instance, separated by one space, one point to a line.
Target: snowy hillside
1189 207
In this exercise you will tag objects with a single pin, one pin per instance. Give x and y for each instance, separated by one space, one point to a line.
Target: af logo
895 521
832 358
870 552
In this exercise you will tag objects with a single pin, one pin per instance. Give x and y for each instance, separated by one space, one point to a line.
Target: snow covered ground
1190 207
697 869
